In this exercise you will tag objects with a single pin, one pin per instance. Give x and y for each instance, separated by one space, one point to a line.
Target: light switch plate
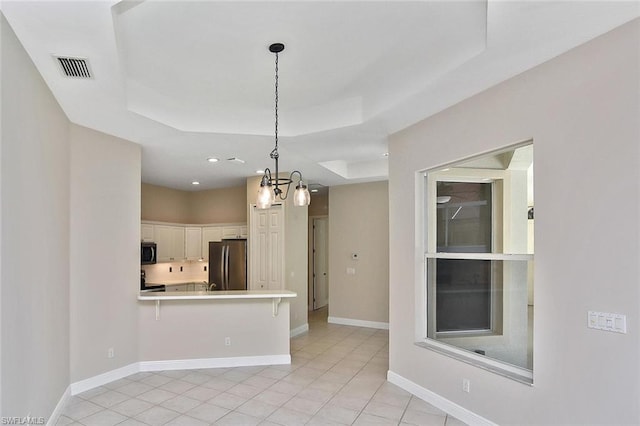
607 321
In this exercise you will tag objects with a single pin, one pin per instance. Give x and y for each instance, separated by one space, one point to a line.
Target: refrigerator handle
225 250
222 268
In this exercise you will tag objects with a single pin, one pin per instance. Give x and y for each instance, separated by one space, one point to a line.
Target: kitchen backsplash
191 271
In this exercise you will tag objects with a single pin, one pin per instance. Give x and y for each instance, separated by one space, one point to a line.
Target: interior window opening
479 261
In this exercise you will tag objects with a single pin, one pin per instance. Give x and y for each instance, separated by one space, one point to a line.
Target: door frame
311 260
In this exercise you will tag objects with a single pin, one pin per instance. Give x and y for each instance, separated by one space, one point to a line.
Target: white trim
438 401
180 364
57 412
479 256
497 366
104 378
299 330
191 364
358 323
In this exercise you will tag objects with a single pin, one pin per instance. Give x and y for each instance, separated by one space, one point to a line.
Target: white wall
105 251
359 224
581 110
295 247
34 287
190 330
296 261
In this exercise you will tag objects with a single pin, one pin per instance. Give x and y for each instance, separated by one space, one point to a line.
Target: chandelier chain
276 102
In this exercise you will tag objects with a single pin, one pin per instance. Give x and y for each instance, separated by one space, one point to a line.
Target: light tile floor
337 377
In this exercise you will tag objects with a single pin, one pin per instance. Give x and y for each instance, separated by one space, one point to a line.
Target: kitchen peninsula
209 329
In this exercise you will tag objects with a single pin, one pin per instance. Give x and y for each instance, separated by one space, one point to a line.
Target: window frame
425 243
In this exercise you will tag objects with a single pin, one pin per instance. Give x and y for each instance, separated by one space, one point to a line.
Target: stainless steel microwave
148 253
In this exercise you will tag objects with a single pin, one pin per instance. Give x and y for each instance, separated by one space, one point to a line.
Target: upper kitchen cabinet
170 243
193 242
146 232
234 232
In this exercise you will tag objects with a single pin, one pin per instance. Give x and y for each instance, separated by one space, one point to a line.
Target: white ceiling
192 80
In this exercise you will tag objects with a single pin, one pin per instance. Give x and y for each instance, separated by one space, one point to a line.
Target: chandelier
271 188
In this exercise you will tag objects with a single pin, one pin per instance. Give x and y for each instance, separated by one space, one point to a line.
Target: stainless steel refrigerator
228 264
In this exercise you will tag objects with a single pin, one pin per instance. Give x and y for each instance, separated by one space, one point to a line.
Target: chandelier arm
286 193
267 173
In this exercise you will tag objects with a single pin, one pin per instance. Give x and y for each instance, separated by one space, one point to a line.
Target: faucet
212 286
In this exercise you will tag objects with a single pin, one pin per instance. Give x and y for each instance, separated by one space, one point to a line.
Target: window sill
509 371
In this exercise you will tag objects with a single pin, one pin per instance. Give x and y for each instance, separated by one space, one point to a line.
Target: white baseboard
190 364
57 412
104 378
299 330
436 400
180 364
359 323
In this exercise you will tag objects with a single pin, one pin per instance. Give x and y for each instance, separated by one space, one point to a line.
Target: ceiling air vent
74 67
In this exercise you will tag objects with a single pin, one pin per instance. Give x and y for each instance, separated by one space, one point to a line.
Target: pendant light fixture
271 187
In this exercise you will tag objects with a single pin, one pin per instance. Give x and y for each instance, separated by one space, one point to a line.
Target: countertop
231 294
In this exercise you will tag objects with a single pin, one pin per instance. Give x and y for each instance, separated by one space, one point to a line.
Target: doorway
320 278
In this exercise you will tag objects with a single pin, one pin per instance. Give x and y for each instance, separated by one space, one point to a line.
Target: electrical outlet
227 341
466 385
110 353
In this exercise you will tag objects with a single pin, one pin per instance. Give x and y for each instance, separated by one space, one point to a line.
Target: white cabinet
146 232
210 233
193 242
170 243
234 232
177 243
267 248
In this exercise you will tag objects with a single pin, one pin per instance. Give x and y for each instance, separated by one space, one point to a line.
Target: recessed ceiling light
213 160
445 170
314 190
195 182
260 172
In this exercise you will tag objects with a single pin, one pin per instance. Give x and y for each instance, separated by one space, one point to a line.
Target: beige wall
296 245
581 110
319 204
34 286
164 204
225 205
359 223
105 248
197 329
